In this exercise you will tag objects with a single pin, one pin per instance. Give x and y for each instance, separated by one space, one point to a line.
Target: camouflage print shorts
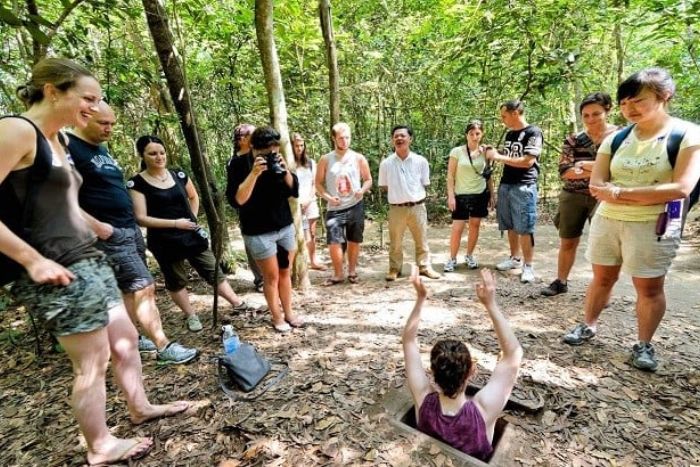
81 306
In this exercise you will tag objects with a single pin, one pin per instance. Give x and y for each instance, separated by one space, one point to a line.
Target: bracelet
616 192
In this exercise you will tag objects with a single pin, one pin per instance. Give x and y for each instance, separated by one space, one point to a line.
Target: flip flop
282 328
353 279
330 281
243 306
319 267
124 456
297 323
172 412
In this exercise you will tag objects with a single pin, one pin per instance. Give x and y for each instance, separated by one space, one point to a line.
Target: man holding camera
517 194
104 196
342 179
260 187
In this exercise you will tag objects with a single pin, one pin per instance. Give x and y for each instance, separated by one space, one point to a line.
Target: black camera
273 164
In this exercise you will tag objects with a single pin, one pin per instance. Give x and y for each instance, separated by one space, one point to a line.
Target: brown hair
303 160
451 365
60 72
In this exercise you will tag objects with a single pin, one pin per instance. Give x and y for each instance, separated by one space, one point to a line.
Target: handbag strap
237 396
469 156
181 189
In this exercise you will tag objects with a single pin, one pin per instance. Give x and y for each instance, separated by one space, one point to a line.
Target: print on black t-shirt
102 194
527 141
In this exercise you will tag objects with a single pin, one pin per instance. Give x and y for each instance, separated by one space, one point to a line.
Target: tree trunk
278 114
210 196
324 9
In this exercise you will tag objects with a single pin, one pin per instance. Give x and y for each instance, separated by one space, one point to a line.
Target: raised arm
492 398
418 382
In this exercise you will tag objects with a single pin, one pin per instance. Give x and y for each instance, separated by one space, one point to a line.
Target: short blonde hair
340 126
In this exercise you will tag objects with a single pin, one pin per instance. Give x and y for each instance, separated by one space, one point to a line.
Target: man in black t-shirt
108 209
517 193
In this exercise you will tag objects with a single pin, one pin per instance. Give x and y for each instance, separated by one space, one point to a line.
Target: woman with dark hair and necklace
166 203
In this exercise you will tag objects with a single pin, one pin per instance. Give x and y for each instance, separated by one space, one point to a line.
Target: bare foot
158 411
319 267
120 451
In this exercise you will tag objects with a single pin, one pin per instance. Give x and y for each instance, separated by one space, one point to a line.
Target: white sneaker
472 263
450 265
510 263
528 275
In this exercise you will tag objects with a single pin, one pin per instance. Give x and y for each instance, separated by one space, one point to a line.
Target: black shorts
467 206
346 225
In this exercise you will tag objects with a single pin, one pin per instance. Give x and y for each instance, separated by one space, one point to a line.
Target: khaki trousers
416 219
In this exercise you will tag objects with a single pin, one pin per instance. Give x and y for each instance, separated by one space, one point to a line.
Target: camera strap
469 156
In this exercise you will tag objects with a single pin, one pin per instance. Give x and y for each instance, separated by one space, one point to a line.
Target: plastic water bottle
230 339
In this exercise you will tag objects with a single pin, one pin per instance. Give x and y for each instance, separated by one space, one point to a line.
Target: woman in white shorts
642 189
306 173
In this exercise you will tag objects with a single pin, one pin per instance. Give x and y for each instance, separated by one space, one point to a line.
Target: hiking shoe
555 288
471 262
528 275
581 333
510 263
193 323
146 345
429 273
175 354
450 265
643 357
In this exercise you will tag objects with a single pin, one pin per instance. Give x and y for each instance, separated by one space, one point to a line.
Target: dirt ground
598 409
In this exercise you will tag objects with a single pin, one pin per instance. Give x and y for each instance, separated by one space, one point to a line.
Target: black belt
409 204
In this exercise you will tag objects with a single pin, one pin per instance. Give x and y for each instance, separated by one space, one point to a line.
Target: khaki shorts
634 245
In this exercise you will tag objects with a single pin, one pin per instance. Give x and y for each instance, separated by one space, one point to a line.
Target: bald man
105 200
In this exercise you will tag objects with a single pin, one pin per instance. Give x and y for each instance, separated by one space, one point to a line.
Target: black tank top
163 203
57 228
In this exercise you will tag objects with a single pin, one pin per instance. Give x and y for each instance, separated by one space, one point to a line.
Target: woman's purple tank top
465 431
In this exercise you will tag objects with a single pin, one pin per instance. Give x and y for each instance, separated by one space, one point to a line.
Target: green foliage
434 64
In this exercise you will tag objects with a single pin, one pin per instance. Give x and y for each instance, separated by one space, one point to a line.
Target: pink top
465 431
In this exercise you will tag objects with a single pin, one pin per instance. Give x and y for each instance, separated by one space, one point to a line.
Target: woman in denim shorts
637 226
165 202
67 284
469 193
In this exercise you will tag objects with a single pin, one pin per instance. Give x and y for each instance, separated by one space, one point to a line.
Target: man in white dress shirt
404 175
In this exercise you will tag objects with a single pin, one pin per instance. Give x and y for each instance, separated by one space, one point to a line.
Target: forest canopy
434 64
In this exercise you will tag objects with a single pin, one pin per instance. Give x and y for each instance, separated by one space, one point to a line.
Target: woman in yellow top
469 193
637 226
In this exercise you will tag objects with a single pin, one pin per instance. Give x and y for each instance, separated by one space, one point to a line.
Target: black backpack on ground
673 145
16 215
